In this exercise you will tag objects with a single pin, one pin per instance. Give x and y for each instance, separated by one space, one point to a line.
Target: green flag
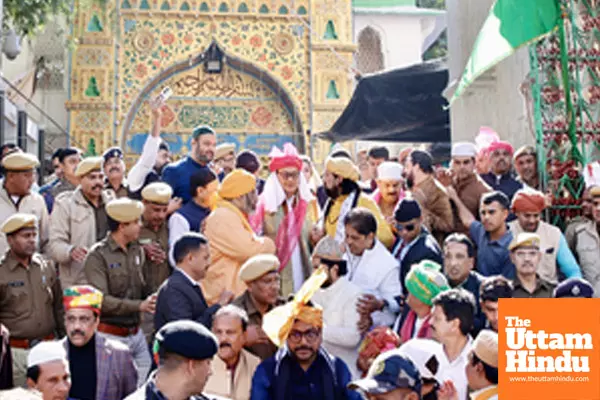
510 25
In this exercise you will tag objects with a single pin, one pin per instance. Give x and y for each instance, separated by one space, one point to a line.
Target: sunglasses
407 227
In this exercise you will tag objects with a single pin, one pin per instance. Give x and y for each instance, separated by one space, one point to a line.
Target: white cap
46 352
389 171
464 149
421 352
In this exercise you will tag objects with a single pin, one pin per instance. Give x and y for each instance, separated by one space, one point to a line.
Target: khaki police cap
88 165
20 161
258 266
124 210
19 221
525 240
595 191
223 149
157 192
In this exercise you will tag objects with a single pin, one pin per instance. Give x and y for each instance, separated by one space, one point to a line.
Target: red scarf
406 331
289 231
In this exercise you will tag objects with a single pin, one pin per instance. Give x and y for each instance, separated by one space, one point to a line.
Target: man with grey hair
339 299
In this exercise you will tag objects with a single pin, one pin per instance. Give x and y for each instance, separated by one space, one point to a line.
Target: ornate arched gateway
284 71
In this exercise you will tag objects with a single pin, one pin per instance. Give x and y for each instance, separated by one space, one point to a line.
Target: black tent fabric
402 105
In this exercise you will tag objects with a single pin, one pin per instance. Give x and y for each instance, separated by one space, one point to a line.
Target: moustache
97 187
77 332
222 345
304 348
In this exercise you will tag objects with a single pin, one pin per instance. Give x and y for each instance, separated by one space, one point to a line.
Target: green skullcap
202 130
425 281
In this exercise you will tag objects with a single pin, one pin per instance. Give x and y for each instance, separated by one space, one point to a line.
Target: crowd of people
378 278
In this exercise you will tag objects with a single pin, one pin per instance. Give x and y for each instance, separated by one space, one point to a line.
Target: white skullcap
46 352
389 171
421 352
464 149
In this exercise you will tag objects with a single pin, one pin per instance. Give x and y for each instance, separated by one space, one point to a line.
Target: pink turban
289 157
501 145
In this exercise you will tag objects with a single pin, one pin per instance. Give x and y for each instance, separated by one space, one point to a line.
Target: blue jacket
179 299
178 175
506 183
281 378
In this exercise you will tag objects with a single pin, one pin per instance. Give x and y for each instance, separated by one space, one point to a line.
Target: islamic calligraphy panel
275 46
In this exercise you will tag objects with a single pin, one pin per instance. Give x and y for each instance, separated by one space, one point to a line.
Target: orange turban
278 322
238 183
528 200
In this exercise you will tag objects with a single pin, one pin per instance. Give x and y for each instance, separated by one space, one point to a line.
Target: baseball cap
390 371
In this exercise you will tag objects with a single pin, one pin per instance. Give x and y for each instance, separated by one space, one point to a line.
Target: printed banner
548 349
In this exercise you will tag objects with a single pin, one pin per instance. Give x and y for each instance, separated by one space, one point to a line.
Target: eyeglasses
526 253
407 227
311 335
83 320
289 175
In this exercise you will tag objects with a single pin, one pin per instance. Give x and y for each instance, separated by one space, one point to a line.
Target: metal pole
22 130
41 155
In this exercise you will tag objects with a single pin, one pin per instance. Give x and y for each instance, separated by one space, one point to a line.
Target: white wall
495 99
400 37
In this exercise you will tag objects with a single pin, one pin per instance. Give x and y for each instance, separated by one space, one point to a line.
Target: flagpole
564 64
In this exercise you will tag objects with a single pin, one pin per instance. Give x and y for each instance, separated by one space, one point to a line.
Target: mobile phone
164 95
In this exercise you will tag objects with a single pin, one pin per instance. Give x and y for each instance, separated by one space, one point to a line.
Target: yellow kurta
231 244
384 232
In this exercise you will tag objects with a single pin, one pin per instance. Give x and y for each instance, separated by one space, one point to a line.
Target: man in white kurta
338 297
372 268
452 320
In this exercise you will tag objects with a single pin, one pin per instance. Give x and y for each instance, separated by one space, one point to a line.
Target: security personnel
16 195
30 294
154 235
114 170
78 221
115 266
574 287
177 344
154 238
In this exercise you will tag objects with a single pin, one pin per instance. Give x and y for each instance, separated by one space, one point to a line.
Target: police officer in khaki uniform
16 195
30 295
115 266
154 238
114 171
78 221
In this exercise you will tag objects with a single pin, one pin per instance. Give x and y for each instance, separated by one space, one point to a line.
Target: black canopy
402 105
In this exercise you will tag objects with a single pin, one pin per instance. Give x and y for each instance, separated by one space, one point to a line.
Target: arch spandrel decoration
275 49
240 103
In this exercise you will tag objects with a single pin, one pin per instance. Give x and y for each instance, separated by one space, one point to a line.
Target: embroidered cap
46 352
